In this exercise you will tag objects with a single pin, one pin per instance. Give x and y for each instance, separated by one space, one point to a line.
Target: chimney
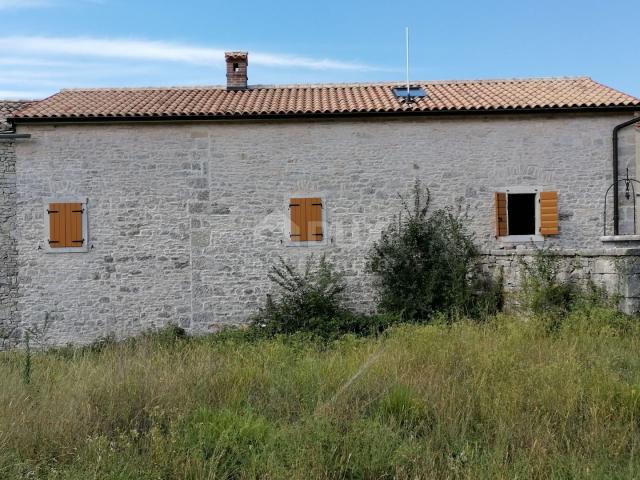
236 70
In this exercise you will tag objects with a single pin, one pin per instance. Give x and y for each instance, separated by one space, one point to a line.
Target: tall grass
503 399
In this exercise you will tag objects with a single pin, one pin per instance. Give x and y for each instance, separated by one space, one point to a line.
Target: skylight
412 92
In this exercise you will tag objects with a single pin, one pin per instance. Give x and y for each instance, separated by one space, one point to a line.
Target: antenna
407 38
408 87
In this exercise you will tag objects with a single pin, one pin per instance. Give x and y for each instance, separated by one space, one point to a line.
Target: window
306 219
521 213
66 226
526 214
412 92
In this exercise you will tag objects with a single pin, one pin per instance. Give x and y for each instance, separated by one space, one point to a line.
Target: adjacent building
8 253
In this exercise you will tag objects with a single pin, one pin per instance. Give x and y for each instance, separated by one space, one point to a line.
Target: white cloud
22 4
70 74
10 4
23 94
126 49
30 62
37 66
41 62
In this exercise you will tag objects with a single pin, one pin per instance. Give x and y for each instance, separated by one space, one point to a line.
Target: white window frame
536 237
325 221
84 201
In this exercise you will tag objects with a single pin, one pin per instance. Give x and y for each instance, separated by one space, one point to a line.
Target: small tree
423 262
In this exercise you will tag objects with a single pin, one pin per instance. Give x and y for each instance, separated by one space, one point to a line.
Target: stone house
131 208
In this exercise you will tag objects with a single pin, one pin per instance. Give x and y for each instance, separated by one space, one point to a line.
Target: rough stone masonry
186 218
8 252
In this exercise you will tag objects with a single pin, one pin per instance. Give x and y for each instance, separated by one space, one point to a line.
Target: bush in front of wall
424 261
488 295
553 298
312 301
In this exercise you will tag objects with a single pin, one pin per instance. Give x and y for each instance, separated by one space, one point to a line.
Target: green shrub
487 295
166 335
563 304
311 302
424 261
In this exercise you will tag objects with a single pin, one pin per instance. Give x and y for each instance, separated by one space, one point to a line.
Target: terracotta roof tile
479 95
7 108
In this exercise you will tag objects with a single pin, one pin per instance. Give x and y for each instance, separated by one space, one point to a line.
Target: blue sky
46 45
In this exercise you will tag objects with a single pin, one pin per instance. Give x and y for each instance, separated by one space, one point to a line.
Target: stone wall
615 271
8 252
185 219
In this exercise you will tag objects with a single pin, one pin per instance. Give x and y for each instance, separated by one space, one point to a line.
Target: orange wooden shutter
298 223
74 236
549 224
314 219
56 225
500 200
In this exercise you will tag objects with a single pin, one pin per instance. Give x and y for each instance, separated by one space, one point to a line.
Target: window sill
67 250
521 239
620 238
323 243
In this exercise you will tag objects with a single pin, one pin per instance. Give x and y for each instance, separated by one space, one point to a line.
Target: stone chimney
237 70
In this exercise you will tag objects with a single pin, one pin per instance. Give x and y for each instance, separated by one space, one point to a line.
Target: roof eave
321 115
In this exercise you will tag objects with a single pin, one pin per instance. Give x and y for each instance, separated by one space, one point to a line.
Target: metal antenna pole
407 39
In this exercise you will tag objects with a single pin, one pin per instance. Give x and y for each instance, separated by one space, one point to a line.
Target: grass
502 399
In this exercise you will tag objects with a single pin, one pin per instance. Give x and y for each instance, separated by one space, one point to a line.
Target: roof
318 100
7 107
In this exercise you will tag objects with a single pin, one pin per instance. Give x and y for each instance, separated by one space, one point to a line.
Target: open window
526 214
66 225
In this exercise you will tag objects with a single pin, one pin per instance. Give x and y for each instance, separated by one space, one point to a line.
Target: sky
47 45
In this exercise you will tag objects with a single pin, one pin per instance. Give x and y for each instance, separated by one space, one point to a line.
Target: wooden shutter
549 223
297 207
500 201
314 219
56 213
74 236
306 219
65 225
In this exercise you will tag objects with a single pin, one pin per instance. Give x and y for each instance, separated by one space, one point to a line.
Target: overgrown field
503 399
